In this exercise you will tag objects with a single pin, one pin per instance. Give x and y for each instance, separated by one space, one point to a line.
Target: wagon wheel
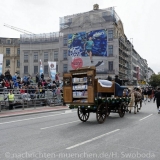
101 113
83 115
122 110
108 112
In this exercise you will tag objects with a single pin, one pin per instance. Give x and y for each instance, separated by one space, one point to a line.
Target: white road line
59 125
145 117
79 144
33 118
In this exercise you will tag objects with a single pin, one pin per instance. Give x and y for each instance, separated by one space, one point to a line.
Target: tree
155 80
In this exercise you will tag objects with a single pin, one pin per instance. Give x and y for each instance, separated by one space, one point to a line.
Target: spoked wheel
122 110
101 113
83 115
108 112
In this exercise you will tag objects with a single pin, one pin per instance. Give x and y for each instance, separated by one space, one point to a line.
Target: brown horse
136 97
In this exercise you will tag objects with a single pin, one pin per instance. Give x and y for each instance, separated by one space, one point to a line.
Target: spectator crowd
27 85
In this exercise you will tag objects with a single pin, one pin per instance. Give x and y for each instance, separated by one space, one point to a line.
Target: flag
1 63
52 69
40 67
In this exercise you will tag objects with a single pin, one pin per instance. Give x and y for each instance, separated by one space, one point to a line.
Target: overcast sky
140 19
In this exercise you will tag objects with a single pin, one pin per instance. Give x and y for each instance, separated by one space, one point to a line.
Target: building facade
122 59
150 73
10 48
34 48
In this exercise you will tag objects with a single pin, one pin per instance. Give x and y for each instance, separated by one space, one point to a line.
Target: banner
88 49
40 67
1 63
52 69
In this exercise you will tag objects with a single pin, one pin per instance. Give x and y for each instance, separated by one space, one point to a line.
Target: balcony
26 61
110 55
65 58
110 71
7 55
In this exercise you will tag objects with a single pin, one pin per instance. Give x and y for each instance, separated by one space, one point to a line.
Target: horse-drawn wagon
83 91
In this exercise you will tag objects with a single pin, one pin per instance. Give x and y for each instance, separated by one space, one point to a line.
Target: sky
140 20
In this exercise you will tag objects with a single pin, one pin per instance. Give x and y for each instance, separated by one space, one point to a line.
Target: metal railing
31 98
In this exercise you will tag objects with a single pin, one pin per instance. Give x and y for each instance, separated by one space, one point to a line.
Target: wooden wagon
83 91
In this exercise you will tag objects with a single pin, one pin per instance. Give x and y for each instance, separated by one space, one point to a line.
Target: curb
32 113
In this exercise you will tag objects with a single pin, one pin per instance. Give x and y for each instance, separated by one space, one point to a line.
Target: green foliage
155 80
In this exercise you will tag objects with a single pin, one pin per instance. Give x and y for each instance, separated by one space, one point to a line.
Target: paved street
61 135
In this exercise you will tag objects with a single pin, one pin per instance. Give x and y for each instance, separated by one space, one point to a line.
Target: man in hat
157 98
117 80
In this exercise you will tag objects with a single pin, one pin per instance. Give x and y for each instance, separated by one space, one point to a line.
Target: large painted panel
88 49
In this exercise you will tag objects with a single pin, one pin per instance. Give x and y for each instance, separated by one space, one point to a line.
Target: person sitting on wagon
117 80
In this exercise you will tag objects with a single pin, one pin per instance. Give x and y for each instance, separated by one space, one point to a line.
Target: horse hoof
129 111
137 111
134 112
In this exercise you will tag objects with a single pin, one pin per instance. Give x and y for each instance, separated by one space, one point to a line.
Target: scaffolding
108 15
38 38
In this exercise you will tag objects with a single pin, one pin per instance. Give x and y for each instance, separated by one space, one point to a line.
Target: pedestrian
145 94
149 92
157 98
11 99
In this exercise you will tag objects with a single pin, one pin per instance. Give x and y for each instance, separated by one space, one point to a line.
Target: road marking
68 111
34 118
145 117
59 125
79 144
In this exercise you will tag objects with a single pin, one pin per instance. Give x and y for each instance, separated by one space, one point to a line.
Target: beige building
10 48
122 58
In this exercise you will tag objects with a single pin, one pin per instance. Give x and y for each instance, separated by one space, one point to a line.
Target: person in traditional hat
117 80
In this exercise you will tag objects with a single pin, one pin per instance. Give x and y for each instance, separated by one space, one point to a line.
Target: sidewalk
26 111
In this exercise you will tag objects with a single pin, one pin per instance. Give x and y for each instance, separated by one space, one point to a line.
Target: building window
65 68
18 51
56 67
25 57
55 56
25 69
45 57
110 35
110 50
110 65
65 41
8 41
18 63
35 69
8 51
65 54
35 58
45 69
7 63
